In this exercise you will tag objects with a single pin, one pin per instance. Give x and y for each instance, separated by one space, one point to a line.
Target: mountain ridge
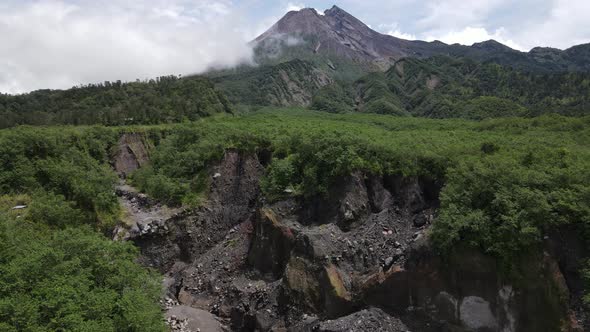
338 34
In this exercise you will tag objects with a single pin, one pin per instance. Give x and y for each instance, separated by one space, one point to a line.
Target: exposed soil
357 259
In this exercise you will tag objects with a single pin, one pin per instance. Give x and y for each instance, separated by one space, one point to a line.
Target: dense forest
438 87
445 87
347 180
284 84
507 183
509 149
163 100
58 270
516 177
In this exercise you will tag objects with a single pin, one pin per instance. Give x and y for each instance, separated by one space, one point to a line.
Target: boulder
131 154
197 320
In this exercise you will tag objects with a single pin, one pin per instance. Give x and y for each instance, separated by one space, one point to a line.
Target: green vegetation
438 87
279 85
444 87
376 97
72 280
57 271
66 168
334 98
507 181
164 100
485 107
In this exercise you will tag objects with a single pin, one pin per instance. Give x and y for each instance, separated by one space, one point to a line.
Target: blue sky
61 43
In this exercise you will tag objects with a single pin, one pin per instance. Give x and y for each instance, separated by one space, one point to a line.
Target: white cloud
294 7
568 24
520 25
393 30
471 35
402 35
55 44
457 13
60 43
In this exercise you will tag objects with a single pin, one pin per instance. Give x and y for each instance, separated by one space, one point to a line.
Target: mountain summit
336 34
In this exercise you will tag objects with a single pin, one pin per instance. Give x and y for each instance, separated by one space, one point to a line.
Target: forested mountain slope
437 87
443 87
286 84
163 100
372 72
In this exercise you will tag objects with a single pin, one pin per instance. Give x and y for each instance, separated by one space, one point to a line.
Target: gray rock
196 319
388 262
367 320
420 220
476 314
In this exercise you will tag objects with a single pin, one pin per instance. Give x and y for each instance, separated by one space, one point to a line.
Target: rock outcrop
357 259
131 154
232 201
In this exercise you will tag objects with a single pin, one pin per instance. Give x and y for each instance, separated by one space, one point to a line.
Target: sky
61 43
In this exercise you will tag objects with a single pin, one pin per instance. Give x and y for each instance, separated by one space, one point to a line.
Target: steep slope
291 83
338 35
312 219
437 87
445 87
335 34
336 63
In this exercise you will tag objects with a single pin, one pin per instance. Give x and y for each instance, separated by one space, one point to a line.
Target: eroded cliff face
232 201
131 154
357 259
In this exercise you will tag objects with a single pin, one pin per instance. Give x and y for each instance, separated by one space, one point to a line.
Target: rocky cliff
356 259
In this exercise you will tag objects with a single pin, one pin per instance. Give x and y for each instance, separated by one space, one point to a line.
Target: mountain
445 87
286 84
334 62
338 35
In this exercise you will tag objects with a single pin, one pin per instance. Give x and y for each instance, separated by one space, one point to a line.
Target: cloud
471 35
567 24
464 22
521 24
393 30
291 6
294 7
457 13
61 43
58 44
